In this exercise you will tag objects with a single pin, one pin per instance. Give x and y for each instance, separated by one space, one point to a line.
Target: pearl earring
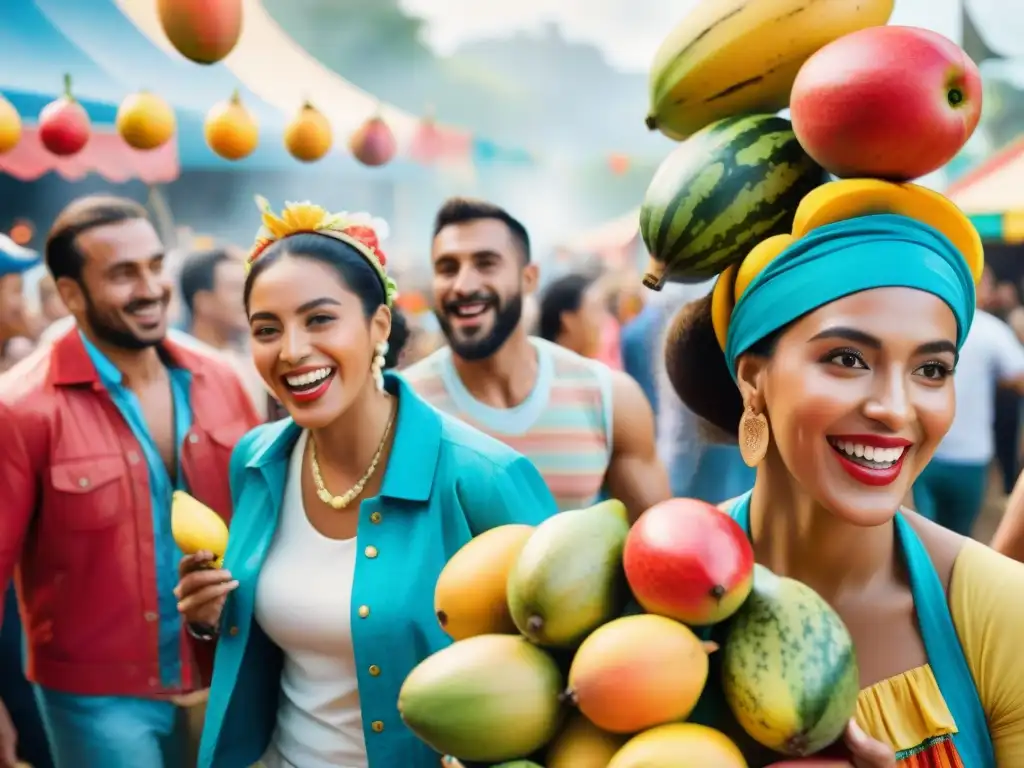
377 366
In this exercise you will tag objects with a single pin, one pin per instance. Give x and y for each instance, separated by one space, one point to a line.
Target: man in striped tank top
588 430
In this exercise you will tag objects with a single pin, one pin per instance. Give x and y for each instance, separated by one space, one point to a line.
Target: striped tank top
564 426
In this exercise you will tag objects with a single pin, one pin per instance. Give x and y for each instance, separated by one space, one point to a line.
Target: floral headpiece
359 230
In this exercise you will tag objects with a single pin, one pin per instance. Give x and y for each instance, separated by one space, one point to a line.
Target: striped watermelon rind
789 670
721 192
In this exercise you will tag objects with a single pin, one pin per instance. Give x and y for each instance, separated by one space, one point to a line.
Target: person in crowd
951 489
23 729
97 429
346 513
831 356
14 262
398 340
51 305
572 312
211 290
640 349
1001 299
588 429
703 462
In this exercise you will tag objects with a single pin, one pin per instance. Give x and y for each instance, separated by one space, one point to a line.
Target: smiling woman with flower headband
830 351
345 514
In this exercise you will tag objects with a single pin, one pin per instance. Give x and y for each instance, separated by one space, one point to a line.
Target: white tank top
303 598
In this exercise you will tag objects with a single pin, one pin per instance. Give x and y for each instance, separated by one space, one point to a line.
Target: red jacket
75 519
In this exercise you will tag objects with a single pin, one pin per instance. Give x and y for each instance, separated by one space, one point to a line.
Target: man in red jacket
97 431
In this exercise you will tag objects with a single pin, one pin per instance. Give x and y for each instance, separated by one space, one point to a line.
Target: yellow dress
908 712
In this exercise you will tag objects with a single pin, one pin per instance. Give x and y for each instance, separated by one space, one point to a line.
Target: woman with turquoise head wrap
830 352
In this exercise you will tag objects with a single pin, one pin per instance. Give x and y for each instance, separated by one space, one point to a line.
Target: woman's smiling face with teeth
311 340
859 393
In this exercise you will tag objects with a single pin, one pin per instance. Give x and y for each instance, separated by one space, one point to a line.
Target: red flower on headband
368 237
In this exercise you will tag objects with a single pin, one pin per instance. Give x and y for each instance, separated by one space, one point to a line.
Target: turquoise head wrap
836 260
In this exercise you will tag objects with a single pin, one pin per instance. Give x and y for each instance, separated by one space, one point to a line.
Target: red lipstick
862 473
308 394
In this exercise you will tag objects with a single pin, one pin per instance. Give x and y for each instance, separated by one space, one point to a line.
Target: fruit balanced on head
888 103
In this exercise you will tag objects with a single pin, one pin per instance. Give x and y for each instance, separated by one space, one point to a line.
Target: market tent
993 194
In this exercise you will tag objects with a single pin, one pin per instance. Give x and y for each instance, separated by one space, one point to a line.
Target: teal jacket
445 483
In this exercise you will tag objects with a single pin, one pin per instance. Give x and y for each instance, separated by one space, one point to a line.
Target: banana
731 57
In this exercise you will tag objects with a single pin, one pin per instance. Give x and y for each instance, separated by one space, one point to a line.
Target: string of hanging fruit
205 32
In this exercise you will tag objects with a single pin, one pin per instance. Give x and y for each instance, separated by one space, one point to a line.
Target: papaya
679 745
638 672
789 671
196 527
568 579
470 597
581 744
489 698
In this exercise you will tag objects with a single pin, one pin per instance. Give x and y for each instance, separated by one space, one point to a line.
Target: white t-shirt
303 602
991 354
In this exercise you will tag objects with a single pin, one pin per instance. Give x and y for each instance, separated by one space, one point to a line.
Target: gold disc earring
754 437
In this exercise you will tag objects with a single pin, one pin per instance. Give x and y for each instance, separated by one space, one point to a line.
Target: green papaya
789 670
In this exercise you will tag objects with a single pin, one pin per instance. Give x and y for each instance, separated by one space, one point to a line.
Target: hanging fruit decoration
10 126
231 130
426 143
373 143
145 121
309 136
203 31
618 163
63 124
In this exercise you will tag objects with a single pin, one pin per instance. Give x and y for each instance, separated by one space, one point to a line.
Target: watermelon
789 671
720 193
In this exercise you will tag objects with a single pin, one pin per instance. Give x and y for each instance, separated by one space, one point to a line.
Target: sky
628 31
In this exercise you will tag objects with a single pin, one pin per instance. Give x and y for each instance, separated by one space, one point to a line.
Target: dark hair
563 295
397 339
63 258
696 366
462 210
352 267
198 273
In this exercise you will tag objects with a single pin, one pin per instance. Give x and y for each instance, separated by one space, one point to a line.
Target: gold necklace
340 502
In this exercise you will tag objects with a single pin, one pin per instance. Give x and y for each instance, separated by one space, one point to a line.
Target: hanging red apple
203 31
373 143
63 124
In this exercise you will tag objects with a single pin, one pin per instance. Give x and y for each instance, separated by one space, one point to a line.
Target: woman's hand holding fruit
202 590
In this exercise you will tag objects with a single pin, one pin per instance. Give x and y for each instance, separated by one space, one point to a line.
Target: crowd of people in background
130 350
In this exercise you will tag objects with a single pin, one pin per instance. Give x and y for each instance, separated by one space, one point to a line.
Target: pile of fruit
866 101
584 643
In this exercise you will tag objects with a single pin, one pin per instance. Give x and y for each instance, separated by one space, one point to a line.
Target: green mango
487 699
568 579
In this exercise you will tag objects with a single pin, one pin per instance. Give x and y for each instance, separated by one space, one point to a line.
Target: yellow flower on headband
361 231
